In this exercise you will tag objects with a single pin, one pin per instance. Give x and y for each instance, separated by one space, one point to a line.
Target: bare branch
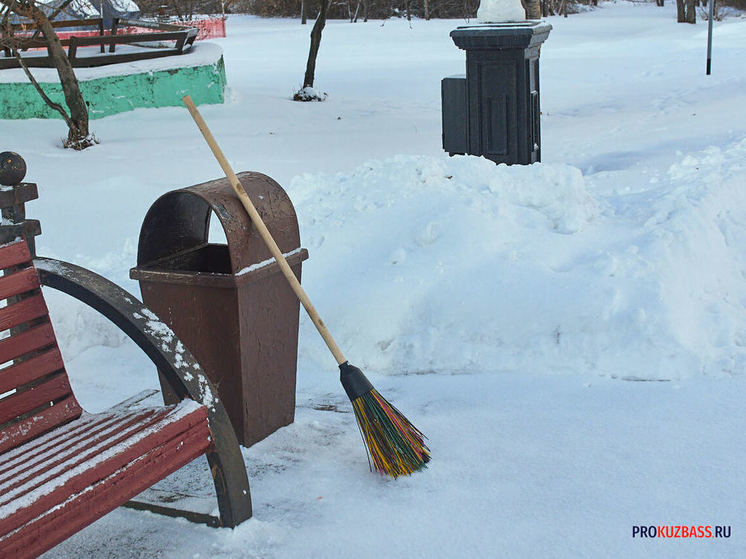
51 104
53 15
59 9
6 16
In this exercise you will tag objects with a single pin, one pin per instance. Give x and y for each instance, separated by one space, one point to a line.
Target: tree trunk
78 133
78 136
427 10
303 12
691 12
533 9
686 11
318 27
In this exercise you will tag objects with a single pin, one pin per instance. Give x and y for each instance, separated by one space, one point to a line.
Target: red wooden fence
212 28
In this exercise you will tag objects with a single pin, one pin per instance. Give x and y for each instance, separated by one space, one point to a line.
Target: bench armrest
174 362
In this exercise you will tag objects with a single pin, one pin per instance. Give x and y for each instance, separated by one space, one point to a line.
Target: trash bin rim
215 197
151 272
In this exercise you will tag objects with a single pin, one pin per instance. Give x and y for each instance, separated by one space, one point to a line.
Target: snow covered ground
571 336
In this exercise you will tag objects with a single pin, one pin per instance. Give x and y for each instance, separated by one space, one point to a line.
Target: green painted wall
117 94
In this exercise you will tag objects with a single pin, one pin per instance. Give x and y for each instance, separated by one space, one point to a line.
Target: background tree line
353 10
361 10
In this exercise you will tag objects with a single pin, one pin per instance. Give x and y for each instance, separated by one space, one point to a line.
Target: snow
570 335
309 94
267 262
92 8
492 11
200 54
83 7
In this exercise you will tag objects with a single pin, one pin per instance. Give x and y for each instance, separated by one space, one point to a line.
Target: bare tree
313 52
685 11
78 135
533 9
353 16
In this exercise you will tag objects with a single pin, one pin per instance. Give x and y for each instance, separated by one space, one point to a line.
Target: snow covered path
524 465
569 335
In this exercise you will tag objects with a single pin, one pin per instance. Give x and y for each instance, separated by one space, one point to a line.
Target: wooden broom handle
264 232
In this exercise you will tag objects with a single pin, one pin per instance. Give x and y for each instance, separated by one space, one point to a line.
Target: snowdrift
453 266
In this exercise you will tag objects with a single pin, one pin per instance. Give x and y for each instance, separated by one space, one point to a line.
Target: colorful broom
395 446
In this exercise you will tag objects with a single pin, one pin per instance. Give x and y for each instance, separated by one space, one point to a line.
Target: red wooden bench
62 468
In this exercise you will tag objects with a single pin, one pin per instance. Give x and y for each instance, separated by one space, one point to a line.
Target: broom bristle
395 446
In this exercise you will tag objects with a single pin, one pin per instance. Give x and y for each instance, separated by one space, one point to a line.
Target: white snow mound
426 264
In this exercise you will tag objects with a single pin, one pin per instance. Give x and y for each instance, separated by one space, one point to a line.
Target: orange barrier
212 28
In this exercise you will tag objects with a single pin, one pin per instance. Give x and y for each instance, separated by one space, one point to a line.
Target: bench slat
26 342
14 254
31 25
18 282
171 428
81 509
45 442
126 39
74 451
22 311
46 420
20 403
129 428
31 369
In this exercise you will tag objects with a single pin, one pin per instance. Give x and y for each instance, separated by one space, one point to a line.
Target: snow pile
491 11
698 231
309 94
460 265
79 327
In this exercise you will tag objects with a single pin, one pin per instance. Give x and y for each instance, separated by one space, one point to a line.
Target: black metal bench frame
126 311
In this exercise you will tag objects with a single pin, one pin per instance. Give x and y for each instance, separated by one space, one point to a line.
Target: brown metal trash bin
229 304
